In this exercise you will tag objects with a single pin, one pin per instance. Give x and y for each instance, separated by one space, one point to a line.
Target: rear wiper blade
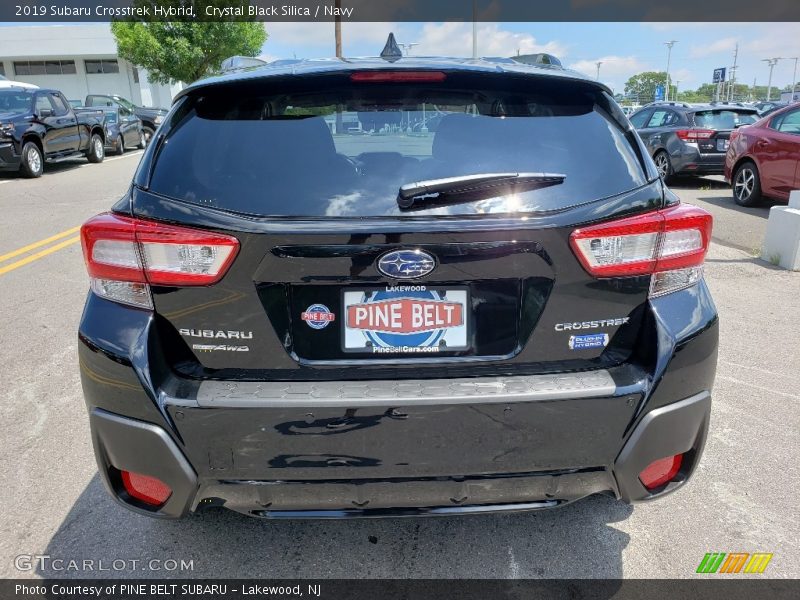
474 186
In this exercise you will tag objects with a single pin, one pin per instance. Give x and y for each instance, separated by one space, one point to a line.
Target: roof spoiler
538 59
234 63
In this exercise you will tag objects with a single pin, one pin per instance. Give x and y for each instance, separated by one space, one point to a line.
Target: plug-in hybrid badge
406 264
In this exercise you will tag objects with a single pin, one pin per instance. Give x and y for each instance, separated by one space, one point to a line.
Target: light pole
474 29
408 47
677 86
669 46
794 76
598 63
732 89
731 83
771 62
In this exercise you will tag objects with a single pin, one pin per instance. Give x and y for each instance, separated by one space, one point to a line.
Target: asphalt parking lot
743 499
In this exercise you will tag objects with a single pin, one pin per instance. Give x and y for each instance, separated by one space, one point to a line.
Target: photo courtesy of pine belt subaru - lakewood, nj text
396 286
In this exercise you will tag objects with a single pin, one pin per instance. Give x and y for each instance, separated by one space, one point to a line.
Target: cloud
317 39
613 67
455 39
774 39
726 45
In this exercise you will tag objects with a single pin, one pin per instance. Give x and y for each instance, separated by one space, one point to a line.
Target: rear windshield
344 150
724 119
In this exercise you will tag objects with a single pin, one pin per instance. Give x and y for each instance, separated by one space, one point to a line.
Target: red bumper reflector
149 490
661 471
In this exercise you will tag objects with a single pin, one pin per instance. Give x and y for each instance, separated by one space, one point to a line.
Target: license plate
722 145
412 319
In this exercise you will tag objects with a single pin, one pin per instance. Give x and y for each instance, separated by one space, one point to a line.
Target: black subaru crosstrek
396 287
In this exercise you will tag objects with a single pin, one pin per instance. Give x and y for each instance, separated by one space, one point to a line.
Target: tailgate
502 298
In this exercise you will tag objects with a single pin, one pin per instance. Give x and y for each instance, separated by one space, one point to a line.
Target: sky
624 48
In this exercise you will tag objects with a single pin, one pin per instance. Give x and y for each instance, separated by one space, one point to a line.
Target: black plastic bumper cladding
123 444
481 453
678 428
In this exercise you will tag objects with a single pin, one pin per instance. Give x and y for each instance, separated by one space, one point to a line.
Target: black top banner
401 10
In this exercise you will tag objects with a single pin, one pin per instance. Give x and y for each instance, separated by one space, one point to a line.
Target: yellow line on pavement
35 245
42 253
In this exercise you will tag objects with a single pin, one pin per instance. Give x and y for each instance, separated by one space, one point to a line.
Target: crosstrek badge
317 316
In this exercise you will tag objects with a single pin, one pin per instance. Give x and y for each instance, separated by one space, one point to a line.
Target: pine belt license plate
405 319
722 145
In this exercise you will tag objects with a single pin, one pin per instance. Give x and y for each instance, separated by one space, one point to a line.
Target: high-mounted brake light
124 256
692 135
669 244
397 76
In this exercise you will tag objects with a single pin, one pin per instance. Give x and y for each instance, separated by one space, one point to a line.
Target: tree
643 85
185 51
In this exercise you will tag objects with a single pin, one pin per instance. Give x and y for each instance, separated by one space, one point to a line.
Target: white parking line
126 155
107 160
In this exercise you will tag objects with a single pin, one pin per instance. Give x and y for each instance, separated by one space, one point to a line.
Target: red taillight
692 135
397 76
661 471
674 241
123 255
149 490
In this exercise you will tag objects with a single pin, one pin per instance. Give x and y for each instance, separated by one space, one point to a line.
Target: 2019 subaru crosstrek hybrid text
419 286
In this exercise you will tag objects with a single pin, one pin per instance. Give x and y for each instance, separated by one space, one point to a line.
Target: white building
78 60
789 97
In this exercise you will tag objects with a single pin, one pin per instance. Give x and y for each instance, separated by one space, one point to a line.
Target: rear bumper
127 444
378 448
692 161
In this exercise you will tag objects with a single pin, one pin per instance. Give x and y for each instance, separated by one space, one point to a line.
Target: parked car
689 139
506 314
764 158
765 107
123 129
7 83
39 125
151 117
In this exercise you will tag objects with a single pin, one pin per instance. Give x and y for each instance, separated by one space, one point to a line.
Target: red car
764 158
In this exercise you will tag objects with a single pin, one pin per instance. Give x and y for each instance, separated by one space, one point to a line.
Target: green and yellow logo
734 562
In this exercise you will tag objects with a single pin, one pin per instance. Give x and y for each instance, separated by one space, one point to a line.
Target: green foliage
185 51
643 85
640 89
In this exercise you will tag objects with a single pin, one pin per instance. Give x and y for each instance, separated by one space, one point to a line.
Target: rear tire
142 141
148 134
120 145
97 151
663 165
747 185
32 163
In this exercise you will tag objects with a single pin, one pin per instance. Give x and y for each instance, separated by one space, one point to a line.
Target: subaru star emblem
406 264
